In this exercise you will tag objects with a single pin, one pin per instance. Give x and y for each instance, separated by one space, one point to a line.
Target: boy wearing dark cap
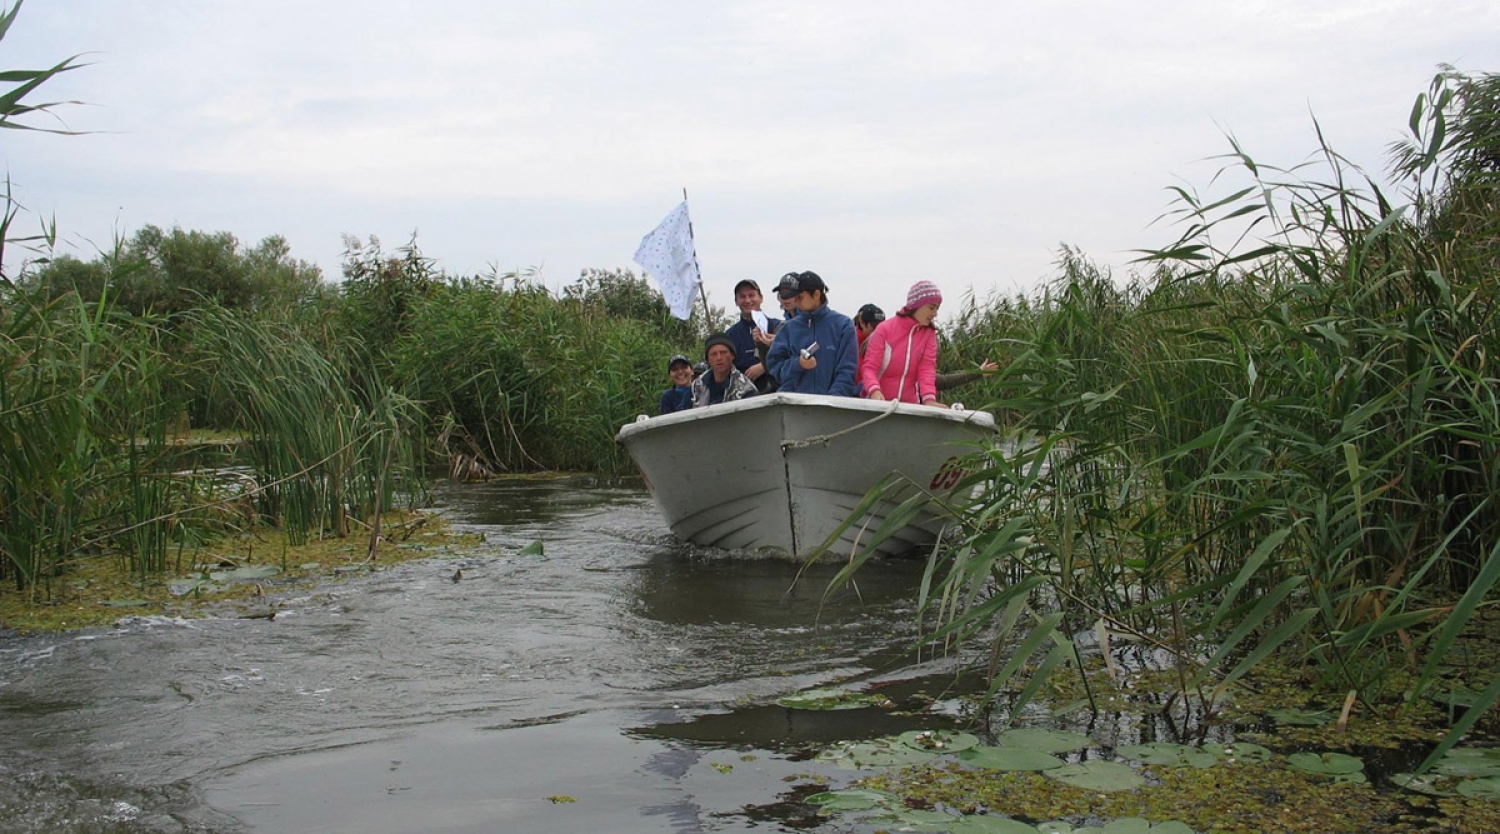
680 396
722 382
815 352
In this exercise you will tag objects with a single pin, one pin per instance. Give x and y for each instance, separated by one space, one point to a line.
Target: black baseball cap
677 357
796 283
788 286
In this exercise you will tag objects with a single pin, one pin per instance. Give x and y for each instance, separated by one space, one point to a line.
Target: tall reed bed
83 405
1287 443
328 443
92 402
530 381
337 401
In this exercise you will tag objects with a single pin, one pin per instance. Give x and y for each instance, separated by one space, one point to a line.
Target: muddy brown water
622 682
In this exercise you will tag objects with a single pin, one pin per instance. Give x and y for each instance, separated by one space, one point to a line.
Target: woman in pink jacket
900 361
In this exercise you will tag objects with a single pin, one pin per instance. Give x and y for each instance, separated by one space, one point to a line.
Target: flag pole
701 293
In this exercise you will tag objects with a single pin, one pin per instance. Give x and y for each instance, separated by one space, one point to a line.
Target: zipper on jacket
906 366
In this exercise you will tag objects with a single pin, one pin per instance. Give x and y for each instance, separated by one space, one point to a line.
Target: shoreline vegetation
244 576
1280 444
1278 441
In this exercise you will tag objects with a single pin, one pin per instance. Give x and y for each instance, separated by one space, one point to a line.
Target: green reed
83 405
530 380
1282 437
325 449
92 401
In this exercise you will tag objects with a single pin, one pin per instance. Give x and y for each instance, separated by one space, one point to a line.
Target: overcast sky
876 143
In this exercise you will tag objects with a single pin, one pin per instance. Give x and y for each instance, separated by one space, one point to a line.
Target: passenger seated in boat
869 317
752 335
680 396
722 382
788 304
900 360
865 322
816 352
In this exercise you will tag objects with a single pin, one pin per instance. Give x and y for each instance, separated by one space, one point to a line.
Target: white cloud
880 138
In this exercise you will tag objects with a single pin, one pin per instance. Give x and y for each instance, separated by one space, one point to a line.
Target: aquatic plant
328 451
833 699
87 401
1281 437
529 380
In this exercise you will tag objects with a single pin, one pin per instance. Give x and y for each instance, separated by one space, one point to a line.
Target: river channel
620 681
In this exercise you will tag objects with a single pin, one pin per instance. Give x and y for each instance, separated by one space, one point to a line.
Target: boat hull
783 471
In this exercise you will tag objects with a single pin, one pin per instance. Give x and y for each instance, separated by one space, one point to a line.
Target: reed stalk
1283 437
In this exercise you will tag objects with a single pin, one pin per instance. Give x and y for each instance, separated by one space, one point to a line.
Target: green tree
168 273
620 293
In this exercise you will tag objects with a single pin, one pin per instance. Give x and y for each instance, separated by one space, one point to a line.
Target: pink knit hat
922 292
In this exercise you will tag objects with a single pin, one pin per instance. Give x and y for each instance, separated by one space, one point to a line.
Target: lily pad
1171 827
1486 788
854 799
1325 764
536 548
1047 741
917 819
1428 783
1169 755
938 741
880 752
1473 753
1127 825
1055 827
1137 825
1098 776
1456 697
986 824
1242 751
1301 717
827 699
181 587
1010 758
248 573
1467 767
1470 762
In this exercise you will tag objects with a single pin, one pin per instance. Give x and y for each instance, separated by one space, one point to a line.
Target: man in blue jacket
831 367
752 335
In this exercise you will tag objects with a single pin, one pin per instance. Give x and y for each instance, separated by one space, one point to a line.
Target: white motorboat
784 471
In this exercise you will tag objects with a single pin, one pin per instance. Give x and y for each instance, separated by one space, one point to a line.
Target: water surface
621 681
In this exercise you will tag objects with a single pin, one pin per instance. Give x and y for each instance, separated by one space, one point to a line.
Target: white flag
667 254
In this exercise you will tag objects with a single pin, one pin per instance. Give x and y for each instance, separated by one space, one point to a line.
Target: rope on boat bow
787 445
